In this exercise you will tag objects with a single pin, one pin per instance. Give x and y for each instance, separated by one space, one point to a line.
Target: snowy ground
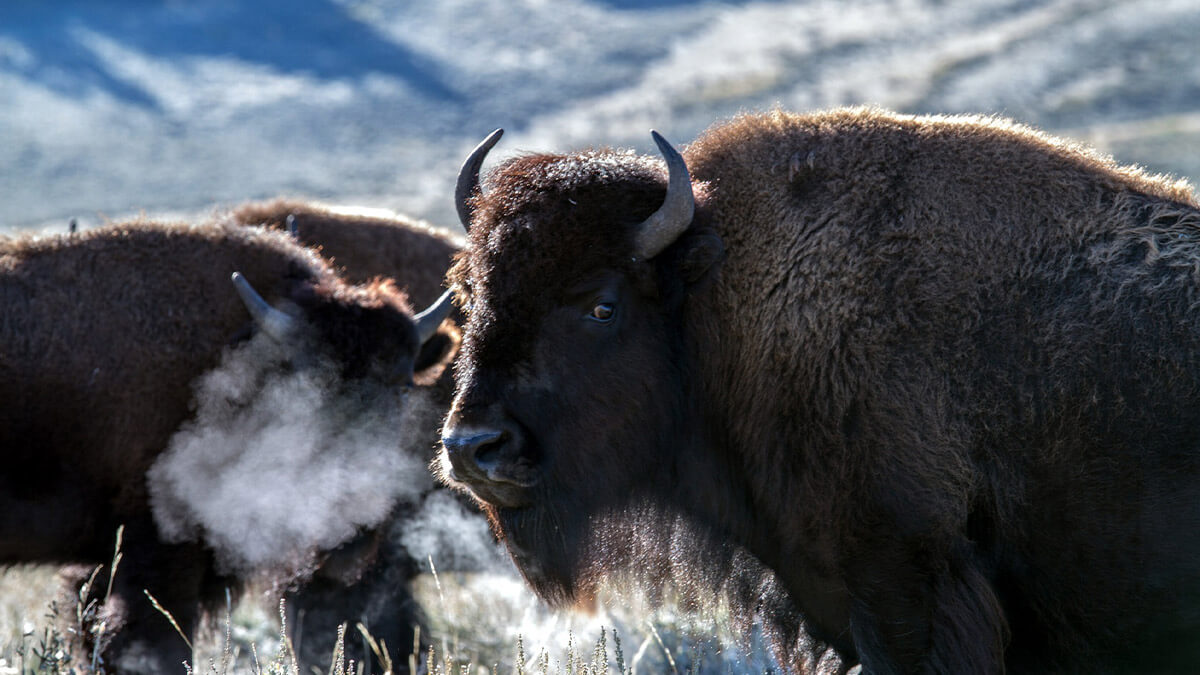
165 105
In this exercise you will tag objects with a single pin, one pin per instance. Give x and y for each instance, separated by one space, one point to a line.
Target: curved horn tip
428 321
279 325
664 146
675 215
468 178
490 140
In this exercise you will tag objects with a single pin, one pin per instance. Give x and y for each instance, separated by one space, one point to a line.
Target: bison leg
379 597
920 615
139 637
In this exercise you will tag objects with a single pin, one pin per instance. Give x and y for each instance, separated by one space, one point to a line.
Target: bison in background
101 337
940 375
368 579
363 244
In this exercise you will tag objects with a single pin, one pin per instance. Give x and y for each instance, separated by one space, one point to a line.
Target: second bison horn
428 321
468 178
279 325
670 220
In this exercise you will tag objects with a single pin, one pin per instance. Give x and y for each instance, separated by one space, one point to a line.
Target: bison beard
548 554
943 385
565 556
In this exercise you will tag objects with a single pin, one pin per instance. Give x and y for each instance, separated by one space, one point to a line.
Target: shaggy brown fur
365 247
101 336
944 384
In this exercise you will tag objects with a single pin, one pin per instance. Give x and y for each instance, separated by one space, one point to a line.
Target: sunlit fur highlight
363 243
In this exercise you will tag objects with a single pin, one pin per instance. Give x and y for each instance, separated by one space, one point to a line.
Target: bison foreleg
141 638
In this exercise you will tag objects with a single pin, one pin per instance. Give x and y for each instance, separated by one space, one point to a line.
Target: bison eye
603 312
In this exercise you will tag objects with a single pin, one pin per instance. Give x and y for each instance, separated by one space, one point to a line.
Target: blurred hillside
168 105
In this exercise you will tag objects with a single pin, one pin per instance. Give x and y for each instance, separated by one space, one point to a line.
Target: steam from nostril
280 462
453 537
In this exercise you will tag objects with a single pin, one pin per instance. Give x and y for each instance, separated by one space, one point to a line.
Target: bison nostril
487 454
492 456
463 449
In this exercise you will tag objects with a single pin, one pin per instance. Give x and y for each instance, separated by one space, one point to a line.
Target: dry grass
479 624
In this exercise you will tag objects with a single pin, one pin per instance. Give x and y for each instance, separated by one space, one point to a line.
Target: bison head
574 394
368 331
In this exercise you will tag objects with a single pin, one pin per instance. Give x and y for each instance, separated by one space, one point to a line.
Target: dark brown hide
364 246
943 384
101 336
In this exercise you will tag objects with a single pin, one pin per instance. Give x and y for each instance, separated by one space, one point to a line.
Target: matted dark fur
939 375
364 246
101 337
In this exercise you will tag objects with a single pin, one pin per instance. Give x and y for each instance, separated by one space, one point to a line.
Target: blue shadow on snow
315 37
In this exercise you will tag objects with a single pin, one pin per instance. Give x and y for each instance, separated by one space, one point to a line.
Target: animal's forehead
548 219
546 222
374 308
527 175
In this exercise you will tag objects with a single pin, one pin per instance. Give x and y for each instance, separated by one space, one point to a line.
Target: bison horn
290 225
273 322
468 178
428 321
670 220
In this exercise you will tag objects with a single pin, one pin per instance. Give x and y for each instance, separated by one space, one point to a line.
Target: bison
939 375
367 580
363 245
102 335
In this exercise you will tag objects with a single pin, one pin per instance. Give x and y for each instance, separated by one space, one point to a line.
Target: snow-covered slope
164 105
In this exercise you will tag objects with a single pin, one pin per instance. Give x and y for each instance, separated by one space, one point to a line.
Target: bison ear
700 253
435 350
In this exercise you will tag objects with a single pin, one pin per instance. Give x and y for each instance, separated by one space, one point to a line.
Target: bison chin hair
662 555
